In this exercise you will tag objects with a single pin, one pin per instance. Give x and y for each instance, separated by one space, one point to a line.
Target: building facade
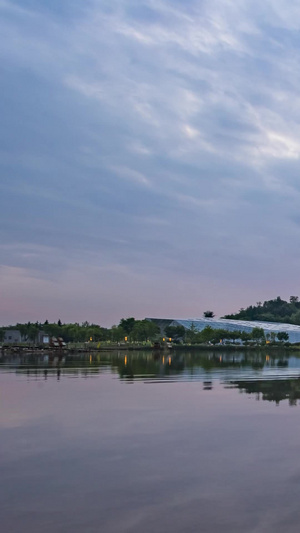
12 336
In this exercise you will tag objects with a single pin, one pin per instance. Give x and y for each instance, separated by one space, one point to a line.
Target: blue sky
149 155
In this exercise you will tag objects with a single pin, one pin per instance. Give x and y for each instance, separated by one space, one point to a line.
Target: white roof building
231 325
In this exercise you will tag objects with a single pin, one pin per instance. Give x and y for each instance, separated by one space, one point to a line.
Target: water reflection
272 377
272 390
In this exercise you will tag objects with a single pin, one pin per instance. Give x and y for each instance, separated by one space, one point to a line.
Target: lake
150 442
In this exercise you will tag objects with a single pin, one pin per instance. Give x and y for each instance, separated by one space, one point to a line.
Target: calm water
142 442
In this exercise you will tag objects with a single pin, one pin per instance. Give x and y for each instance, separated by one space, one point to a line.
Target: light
170 361
163 360
91 359
267 358
125 338
164 339
170 339
125 360
91 338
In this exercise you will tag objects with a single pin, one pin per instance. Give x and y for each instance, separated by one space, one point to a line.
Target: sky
149 156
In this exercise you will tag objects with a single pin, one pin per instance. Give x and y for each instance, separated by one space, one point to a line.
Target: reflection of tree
137 362
272 390
151 367
200 364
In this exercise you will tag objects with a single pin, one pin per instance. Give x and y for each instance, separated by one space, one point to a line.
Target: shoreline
23 350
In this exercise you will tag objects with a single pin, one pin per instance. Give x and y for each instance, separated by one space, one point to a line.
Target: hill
276 310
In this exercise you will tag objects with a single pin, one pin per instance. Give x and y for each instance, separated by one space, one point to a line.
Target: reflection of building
230 325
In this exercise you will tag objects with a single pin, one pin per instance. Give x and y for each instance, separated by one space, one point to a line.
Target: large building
230 325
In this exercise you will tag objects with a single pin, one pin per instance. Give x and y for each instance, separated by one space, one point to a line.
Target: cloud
131 175
158 137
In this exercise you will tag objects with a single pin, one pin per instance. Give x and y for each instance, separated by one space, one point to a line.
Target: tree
117 333
28 331
144 330
127 324
258 334
191 334
282 336
175 332
208 314
32 332
245 336
276 310
54 330
207 334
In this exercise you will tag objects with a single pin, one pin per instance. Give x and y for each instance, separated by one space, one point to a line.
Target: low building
42 338
12 336
230 325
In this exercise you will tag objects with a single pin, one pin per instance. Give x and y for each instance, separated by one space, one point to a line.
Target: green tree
117 334
28 331
207 334
295 318
294 299
53 329
258 334
176 333
282 336
276 310
32 332
144 330
191 334
245 336
208 314
127 324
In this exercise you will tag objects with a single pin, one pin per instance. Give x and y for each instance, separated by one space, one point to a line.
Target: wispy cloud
138 133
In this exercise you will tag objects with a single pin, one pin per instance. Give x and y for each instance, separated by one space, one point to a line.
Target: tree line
132 330
128 329
214 336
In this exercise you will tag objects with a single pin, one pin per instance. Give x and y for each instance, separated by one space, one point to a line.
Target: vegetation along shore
131 333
